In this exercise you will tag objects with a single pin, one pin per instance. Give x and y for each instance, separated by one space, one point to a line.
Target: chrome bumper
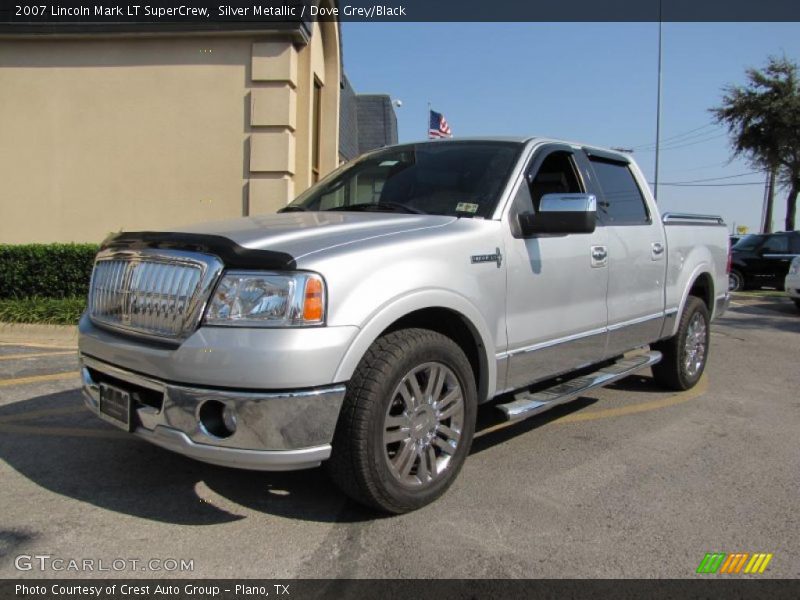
275 431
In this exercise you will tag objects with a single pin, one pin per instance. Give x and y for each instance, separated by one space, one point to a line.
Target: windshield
749 242
441 178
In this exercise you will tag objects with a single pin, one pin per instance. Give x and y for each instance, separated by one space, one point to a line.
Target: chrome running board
527 404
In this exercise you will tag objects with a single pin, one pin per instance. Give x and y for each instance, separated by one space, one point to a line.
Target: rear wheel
685 354
735 281
407 422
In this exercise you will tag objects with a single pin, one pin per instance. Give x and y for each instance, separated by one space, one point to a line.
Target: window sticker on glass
467 207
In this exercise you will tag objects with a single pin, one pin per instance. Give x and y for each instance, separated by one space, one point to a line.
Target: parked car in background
763 260
735 239
792 281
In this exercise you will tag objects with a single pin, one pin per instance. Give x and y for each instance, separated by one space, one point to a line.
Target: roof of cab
590 148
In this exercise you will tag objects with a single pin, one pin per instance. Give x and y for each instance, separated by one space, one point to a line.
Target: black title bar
48 16
396 589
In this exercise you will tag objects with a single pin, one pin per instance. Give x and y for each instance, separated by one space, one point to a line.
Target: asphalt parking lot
631 481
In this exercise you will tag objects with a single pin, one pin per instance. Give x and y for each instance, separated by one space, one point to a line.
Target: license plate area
116 406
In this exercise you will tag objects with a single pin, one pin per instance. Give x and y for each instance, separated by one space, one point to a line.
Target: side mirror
561 213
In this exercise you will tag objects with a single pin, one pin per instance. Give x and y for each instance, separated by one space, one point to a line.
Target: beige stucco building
108 131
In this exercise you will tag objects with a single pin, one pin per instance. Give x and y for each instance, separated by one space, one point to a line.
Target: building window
315 130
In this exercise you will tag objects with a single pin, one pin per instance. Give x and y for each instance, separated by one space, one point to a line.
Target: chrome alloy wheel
423 424
694 348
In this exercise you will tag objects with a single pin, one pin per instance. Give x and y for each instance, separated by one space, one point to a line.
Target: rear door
636 254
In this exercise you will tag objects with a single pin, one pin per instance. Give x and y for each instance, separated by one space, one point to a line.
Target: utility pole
658 107
769 198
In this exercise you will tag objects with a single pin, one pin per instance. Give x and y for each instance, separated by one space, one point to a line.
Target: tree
763 120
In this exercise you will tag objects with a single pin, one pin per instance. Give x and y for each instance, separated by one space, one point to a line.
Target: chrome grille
156 293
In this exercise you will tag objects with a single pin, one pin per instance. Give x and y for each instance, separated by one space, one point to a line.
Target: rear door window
622 202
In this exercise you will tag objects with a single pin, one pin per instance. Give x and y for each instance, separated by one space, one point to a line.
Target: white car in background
792 284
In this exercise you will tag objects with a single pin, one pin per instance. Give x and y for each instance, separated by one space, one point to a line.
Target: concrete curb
61 336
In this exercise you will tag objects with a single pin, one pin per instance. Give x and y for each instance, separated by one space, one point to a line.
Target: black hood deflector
232 254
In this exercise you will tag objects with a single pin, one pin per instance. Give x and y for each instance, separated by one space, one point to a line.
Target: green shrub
46 270
58 311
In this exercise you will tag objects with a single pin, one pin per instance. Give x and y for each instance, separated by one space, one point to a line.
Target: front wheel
407 422
685 354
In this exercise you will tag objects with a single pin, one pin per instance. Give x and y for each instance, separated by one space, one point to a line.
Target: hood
301 233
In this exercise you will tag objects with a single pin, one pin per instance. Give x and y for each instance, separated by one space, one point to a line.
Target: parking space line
7 423
45 412
608 413
39 378
64 432
631 409
35 354
29 345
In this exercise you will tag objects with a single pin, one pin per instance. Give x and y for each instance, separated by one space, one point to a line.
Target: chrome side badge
484 258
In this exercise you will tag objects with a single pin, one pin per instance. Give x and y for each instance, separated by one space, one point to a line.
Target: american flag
438 127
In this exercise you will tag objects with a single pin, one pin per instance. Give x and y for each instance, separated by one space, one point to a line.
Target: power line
717 178
677 140
715 165
701 141
684 143
678 135
712 184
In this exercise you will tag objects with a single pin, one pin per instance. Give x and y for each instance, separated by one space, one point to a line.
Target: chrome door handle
599 256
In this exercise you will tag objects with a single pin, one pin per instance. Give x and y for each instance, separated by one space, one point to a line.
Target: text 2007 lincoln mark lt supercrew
363 325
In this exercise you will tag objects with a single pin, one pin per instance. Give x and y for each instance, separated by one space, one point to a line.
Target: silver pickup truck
364 324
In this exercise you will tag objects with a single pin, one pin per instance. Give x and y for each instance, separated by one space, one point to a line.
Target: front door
556 290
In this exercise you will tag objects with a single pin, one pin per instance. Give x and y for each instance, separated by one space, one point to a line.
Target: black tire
360 460
736 281
797 304
673 372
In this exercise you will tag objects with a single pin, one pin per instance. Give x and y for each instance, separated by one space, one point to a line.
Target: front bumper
275 431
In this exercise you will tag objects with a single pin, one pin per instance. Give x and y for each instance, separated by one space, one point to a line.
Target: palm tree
763 120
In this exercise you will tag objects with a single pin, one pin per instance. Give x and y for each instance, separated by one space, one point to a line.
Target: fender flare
401 306
703 268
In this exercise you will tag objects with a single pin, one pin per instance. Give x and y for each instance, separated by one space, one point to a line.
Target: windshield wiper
293 208
381 206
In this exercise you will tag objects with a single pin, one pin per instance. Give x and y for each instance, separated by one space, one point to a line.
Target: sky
589 82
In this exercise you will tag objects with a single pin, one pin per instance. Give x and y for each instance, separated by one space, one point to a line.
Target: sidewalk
59 336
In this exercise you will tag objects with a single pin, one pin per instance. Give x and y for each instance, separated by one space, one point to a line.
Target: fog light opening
217 419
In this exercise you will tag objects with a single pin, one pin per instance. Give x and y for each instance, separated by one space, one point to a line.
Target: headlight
794 269
252 299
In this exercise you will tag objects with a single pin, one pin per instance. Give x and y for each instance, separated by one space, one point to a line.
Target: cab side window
623 202
556 175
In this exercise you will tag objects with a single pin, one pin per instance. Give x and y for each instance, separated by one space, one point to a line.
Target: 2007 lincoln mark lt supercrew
363 325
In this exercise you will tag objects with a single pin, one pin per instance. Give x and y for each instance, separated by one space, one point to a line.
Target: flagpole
428 122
